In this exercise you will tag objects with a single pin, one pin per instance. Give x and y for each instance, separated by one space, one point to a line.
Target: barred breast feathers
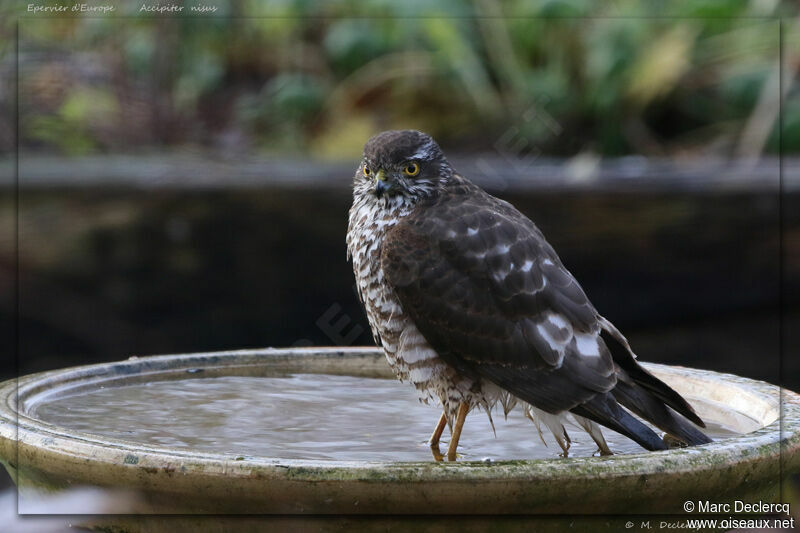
409 355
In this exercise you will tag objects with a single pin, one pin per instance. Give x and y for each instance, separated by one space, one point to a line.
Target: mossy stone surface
747 467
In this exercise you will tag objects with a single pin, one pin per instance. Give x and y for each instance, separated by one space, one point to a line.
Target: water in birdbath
304 416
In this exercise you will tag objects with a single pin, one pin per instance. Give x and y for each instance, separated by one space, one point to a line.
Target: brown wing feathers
472 279
490 295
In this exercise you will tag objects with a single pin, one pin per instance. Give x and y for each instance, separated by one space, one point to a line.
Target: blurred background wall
183 182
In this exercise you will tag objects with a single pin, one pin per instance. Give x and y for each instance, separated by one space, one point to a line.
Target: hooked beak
381 185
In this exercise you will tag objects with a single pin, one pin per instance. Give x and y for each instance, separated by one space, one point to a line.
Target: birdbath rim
45 454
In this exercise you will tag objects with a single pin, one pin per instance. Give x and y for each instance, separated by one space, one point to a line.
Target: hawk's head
405 165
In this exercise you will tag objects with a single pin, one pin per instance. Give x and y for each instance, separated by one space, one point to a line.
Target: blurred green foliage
696 77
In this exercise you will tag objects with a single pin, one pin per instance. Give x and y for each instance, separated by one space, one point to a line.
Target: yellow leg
460 417
437 433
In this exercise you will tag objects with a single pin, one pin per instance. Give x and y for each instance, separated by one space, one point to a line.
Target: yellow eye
412 169
367 171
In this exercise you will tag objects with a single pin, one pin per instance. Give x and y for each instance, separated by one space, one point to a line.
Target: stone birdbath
44 454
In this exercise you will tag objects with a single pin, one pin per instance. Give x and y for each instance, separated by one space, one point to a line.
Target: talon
437 454
602 452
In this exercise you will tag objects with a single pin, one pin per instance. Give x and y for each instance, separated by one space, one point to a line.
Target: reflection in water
302 416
